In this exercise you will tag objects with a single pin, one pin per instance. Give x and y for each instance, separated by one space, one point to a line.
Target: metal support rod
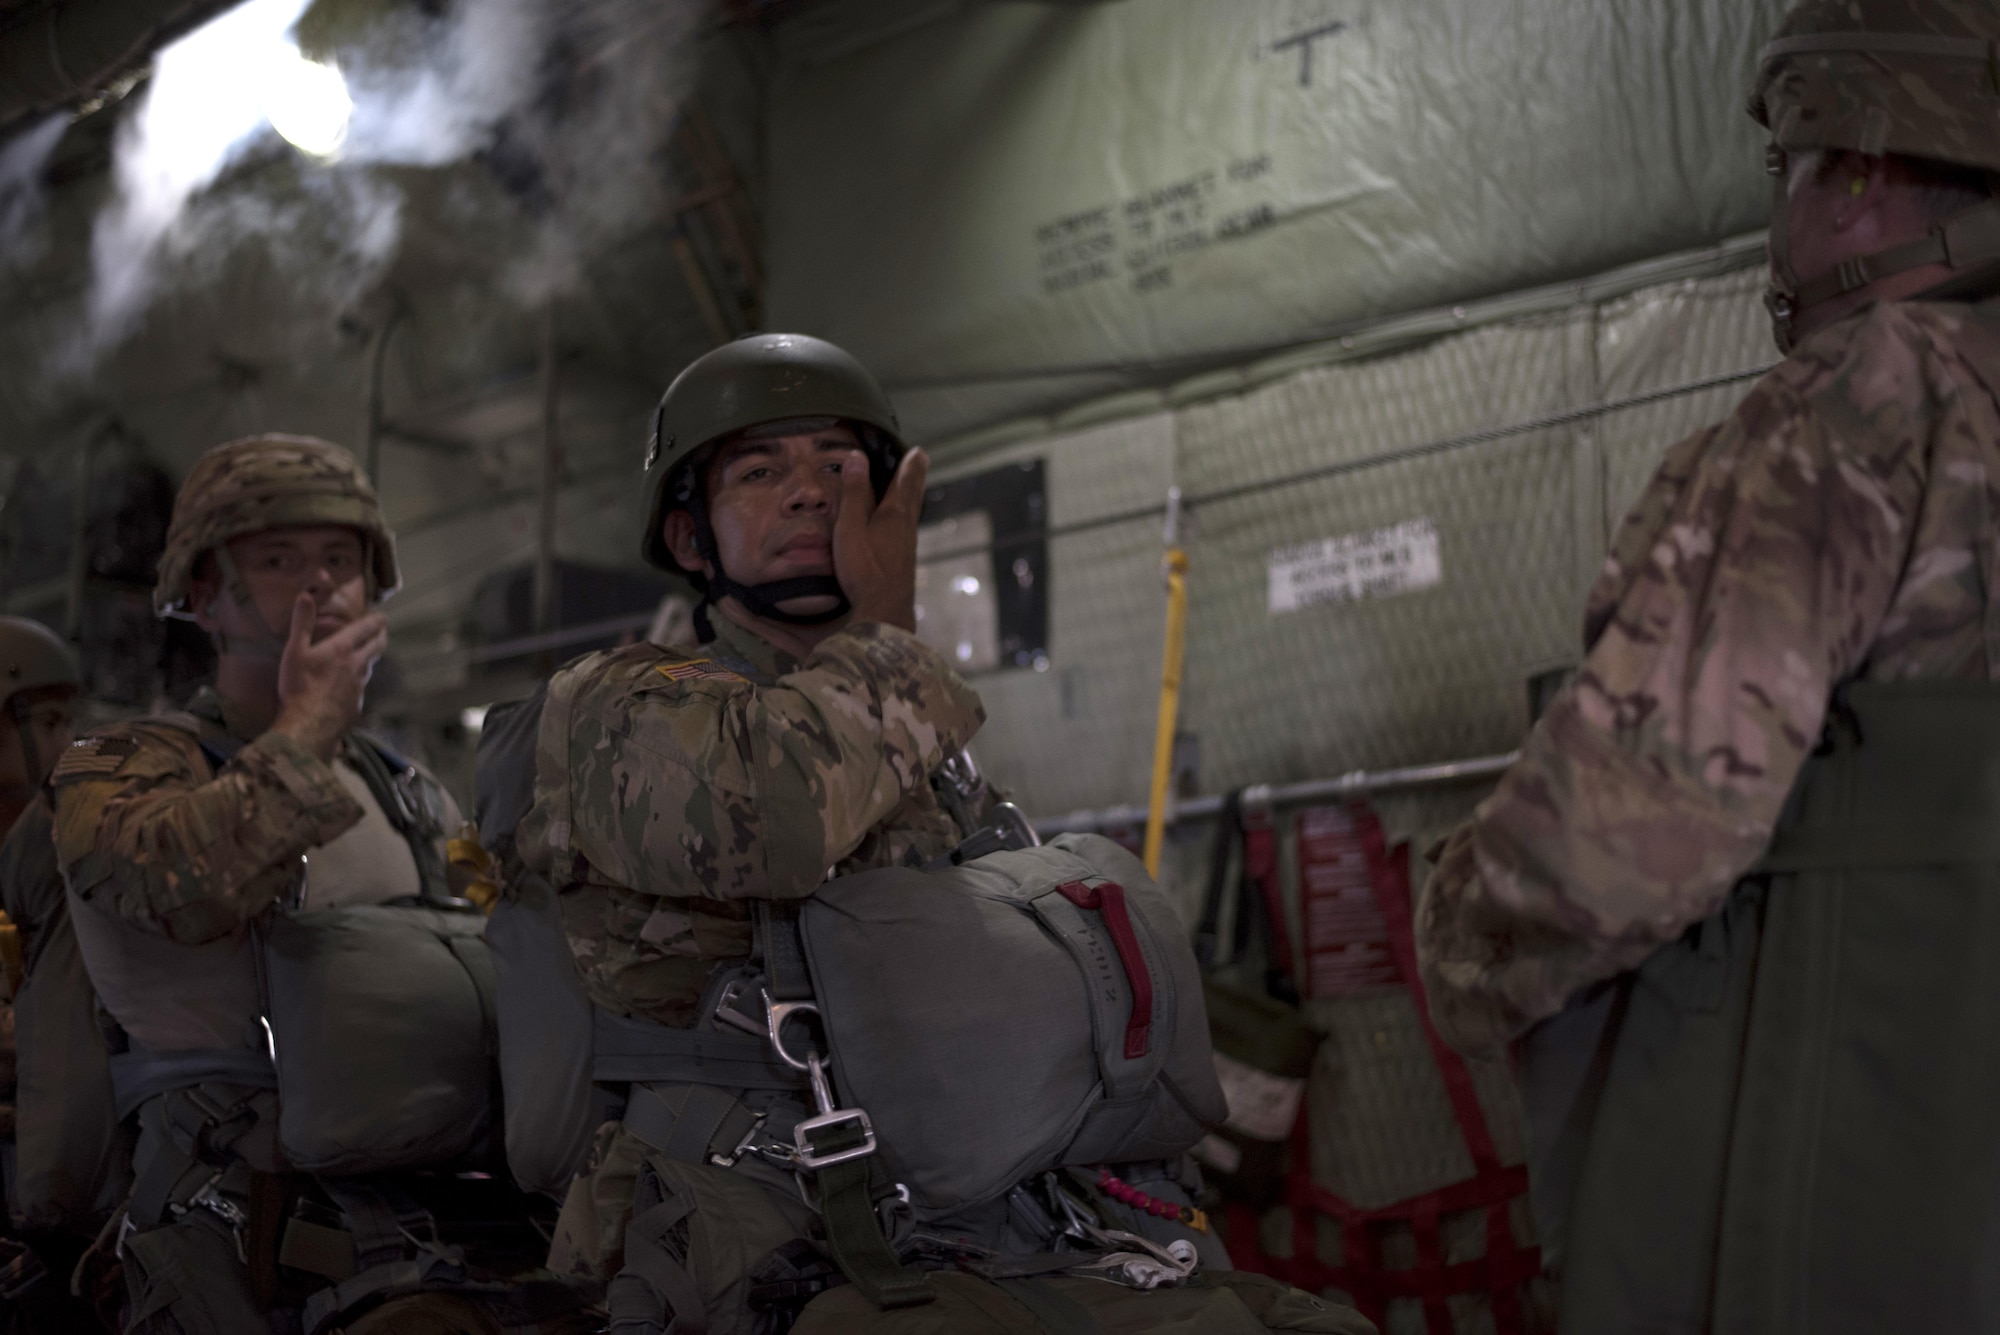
79 541
551 493
1354 784
377 357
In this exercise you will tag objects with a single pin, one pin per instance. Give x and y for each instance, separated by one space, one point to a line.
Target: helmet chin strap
1781 293
1968 242
758 599
268 645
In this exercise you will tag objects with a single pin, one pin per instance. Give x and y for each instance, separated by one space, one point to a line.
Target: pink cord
1126 1194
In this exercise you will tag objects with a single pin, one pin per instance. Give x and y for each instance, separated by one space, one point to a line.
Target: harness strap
854 1234
654 1293
382 1219
688 1123
782 949
139 1074
393 781
625 1050
192 1129
847 1208
169 1177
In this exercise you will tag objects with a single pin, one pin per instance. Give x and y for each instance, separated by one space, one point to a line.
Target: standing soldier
204 853
1751 848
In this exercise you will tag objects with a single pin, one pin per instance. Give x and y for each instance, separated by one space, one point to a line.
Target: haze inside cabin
1401 301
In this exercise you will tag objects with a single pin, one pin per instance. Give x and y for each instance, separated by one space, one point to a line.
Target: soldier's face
49 724
328 561
772 503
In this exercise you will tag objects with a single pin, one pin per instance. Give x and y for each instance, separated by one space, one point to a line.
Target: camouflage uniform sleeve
1754 575
691 782
143 828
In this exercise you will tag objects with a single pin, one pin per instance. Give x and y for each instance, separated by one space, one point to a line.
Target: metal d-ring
776 1013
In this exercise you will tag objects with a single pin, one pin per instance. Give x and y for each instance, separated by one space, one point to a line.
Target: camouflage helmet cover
755 380
264 482
32 656
1917 78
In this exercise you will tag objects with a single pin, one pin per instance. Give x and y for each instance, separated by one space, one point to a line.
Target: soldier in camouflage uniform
181 834
675 787
1742 860
40 677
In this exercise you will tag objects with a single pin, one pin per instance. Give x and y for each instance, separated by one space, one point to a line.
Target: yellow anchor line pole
1176 565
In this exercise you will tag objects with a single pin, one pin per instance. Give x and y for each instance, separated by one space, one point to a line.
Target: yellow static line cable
1176 563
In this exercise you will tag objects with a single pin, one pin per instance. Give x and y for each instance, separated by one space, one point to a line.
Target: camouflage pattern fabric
1868 91
674 785
1839 525
146 828
264 482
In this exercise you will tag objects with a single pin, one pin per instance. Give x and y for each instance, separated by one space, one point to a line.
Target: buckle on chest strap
821 1153
856 1120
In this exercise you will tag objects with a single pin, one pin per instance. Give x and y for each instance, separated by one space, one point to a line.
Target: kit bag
1029 1009
72 1158
1220 1302
382 1031
543 1015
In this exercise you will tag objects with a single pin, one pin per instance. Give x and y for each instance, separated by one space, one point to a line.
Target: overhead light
306 102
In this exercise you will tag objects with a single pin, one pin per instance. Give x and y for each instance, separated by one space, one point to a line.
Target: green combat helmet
32 657
264 482
1916 78
767 384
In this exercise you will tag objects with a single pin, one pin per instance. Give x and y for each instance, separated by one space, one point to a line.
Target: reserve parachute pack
1032 1008
379 1014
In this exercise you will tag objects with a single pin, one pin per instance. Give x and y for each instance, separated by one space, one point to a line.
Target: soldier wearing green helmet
1734 905
676 789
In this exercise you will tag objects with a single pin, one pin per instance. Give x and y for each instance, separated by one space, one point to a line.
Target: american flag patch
94 756
697 669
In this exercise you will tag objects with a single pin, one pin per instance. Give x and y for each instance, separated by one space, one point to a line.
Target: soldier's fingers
374 639
857 497
906 490
300 633
355 631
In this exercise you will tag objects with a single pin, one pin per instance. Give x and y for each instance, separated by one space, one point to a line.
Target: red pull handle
1109 901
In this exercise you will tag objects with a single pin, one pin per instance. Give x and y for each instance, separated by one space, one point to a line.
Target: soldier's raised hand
875 545
321 685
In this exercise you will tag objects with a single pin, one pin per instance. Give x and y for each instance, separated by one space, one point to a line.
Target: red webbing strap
1390 870
1499 1273
1108 899
1260 868
1391 874
1503 1268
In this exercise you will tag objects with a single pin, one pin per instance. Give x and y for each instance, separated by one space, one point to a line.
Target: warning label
1399 559
1347 939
